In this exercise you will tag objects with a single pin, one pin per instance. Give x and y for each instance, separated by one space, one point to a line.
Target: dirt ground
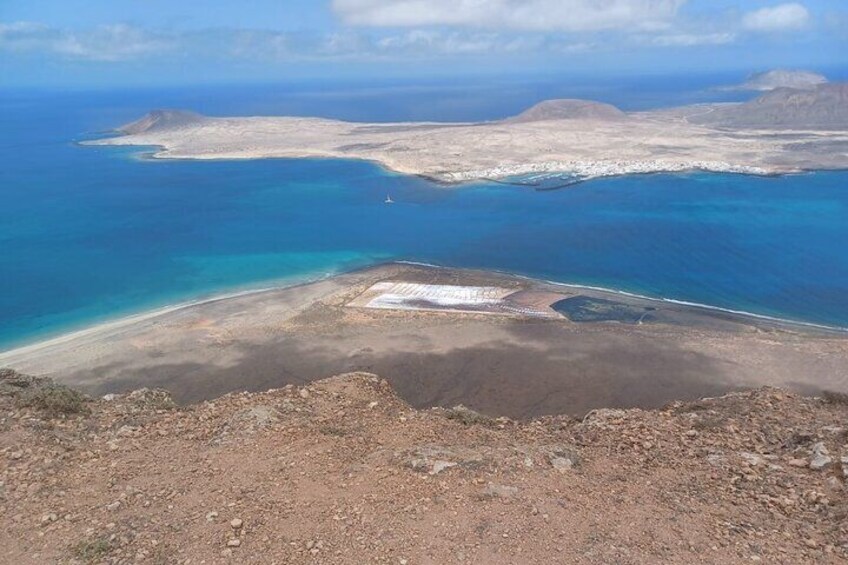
344 471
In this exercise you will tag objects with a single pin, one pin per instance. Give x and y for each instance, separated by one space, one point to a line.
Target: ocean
89 234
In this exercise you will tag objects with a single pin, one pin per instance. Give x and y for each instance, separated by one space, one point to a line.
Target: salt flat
515 364
402 295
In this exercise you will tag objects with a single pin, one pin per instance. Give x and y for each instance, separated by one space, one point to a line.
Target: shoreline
450 179
586 147
118 322
739 314
121 322
497 175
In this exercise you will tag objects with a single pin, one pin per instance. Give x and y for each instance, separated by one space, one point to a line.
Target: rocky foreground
343 471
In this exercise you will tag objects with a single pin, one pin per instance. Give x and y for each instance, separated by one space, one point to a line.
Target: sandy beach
516 356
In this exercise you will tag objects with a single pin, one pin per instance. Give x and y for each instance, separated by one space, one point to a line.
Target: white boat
389 200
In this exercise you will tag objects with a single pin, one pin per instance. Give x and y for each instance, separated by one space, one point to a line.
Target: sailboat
389 200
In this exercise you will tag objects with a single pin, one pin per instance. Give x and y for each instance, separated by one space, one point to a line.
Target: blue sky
129 42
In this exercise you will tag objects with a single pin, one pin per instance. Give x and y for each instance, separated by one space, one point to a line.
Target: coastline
743 315
582 170
135 316
622 351
125 321
450 154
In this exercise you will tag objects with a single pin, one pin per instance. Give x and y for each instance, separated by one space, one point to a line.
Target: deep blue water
88 234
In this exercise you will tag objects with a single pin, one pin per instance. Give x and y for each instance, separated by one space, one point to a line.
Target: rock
113 506
236 523
499 491
844 461
253 419
439 466
434 460
562 464
210 516
821 458
603 417
752 459
303 393
235 542
717 460
433 467
127 431
797 462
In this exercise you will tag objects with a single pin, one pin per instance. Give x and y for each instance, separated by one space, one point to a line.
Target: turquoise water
87 234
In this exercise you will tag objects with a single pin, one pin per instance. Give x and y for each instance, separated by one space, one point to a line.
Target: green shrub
91 551
55 400
467 416
834 397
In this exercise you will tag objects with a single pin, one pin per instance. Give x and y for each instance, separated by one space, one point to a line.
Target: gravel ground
344 471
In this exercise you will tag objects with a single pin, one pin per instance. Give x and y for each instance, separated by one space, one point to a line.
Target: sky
78 43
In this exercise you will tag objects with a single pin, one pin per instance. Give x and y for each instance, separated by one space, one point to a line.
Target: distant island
782 131
781 78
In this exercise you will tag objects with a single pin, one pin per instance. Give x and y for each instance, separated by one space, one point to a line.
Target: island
785 130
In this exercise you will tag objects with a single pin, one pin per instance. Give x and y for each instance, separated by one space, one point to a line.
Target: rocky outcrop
343 471
161 120
781 78
822 107
569 109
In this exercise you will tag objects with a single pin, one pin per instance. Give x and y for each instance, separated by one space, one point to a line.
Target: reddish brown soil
343 471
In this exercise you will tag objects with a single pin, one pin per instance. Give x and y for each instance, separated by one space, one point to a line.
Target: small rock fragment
499 491
562 464
821 457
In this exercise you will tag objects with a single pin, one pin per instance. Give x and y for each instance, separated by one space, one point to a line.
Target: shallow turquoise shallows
88 234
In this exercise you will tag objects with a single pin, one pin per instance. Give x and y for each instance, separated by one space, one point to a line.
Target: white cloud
106 43
435 42
544 15
692 39
117 42
782 17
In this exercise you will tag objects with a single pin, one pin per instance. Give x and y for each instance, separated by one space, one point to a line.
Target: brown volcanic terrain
821 107
569 109
343 471
158 120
